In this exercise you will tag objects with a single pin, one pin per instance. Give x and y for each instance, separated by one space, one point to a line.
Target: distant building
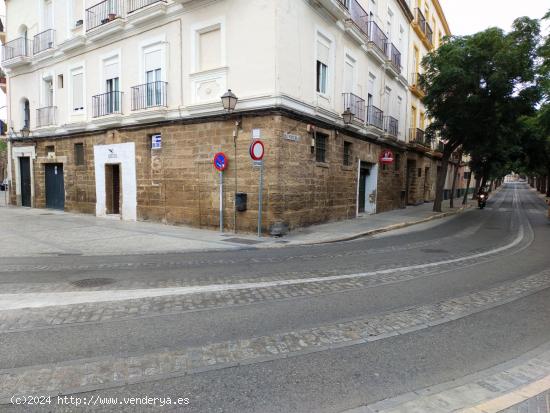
328 85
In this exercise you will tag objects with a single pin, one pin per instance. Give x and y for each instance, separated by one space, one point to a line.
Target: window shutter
78 91
323 53
153 60
210 49
110 69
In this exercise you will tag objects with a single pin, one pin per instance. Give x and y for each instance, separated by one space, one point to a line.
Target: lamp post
348 116
229 102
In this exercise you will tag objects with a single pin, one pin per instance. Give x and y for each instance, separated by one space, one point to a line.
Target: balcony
356 105
16 53
415 86
359 16
391 126
134 5
103 13
418 136
43 41
109 103
423 29
46 116
429 35
149 95
375 117
378 38
394 58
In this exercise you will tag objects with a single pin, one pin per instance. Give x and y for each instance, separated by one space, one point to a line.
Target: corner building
114 108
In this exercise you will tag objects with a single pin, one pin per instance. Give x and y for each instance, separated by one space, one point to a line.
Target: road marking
37 300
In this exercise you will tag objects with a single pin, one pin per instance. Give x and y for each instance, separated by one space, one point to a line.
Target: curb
376 230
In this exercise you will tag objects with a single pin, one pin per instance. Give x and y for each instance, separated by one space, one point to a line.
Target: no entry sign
386 157
220 161
257 150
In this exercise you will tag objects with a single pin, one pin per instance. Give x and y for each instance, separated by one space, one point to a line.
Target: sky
471 16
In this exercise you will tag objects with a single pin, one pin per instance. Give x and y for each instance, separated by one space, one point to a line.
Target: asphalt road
392 273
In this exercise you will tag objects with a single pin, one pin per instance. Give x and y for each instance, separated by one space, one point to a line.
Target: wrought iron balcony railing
418 136
375 117
149 95
378 37
355 104
391 126
20 47
103 12
429 34
109 103
359 16
420 20
134 5
43 41
46 116
395 56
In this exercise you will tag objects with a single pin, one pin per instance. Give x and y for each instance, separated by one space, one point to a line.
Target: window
322 70
467 175
347 153
60 81
323 57
397 162
153 76
49 149
77 79
79 154
26 114
320 147
48 92
111 74
209 48
419 172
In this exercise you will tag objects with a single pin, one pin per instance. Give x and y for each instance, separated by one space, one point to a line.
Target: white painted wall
268 52
123 154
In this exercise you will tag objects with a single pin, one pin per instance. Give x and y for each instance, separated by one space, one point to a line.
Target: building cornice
406 9
442 17
222 116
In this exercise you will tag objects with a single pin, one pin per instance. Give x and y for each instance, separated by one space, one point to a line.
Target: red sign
257 150
386 157
220 161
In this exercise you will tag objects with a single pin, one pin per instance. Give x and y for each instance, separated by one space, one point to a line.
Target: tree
477 88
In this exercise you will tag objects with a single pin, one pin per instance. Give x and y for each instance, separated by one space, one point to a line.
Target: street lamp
229 100
25 132
348 116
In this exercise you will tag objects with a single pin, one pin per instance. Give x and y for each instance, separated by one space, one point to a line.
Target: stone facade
178 184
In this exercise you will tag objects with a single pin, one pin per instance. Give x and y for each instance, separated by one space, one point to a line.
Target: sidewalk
372 224
521 385
28 232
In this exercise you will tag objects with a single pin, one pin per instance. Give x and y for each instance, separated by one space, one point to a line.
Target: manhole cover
242 241
68 254
92 282
434 251
46 213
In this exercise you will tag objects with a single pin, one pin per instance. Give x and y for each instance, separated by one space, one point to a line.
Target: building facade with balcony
115 107
428 28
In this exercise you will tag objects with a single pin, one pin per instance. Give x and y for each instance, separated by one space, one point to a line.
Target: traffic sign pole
260 200
220 163
221 201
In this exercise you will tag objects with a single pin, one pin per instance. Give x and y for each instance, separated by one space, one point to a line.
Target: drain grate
434 251
92 282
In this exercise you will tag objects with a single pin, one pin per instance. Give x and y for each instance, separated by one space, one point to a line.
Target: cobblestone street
351 314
